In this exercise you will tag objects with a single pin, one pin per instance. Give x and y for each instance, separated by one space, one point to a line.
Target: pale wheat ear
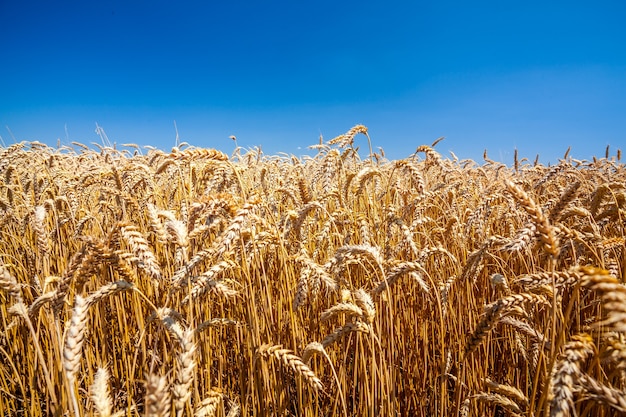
75 337
365 302
100 395
158 398
72 351
208 406
39 218
138 244
9 284
185 366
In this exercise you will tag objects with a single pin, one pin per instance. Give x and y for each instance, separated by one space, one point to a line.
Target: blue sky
538 76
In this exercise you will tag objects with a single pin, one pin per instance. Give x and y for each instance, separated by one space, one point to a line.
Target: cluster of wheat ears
196 283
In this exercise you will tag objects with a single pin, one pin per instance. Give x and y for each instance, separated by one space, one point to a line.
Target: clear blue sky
538 76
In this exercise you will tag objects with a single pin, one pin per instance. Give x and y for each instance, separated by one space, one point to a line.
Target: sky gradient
497 75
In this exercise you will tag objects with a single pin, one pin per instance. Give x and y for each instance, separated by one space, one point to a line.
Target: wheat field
194 283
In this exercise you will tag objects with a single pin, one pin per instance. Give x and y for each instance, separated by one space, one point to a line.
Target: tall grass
194 283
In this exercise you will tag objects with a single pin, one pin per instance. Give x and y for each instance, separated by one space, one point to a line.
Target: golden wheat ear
545 231
566 374
603 394
495 311
209 405
288 359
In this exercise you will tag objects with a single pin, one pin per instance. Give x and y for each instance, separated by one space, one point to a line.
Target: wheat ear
508 391
207 282
157 396
601 393
399 270
613 295
500 400
365 302
39 218
141 250
185 365
358 326
544 229
216 322
288 359
100 395
494 312
75 337
348 309
108 289
208 406
566 373
74 345
9 284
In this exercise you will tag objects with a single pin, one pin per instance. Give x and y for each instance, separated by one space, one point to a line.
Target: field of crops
141 282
